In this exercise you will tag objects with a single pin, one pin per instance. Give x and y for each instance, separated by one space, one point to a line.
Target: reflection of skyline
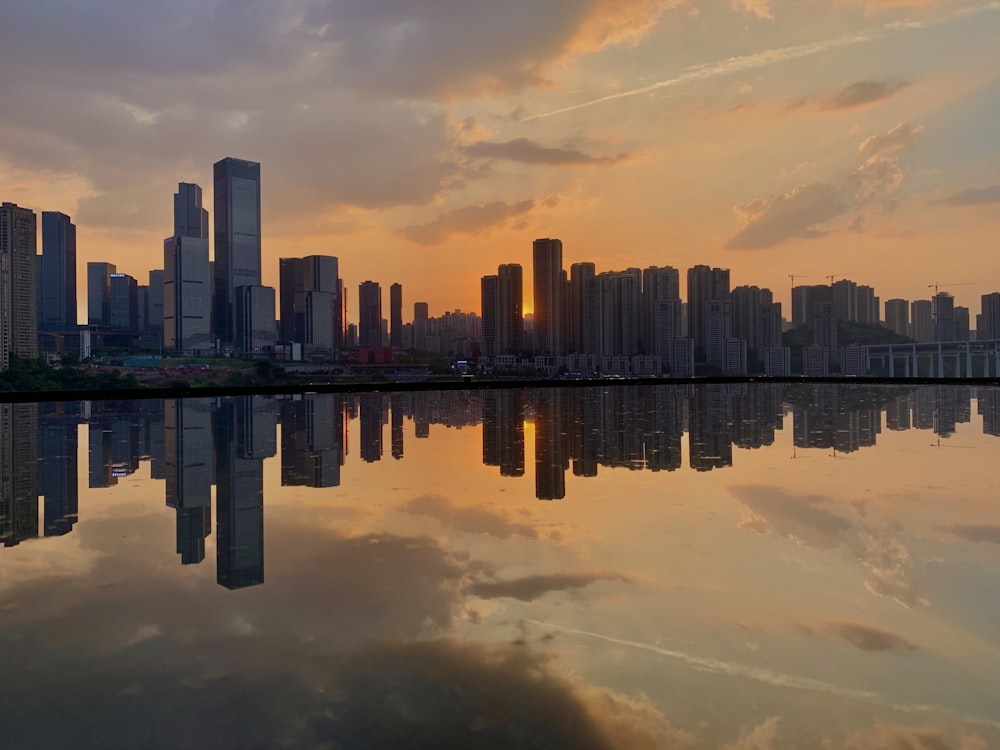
195 443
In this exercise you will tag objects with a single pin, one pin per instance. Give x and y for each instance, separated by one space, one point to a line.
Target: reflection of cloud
802 520
974 196
457 694
529 588
864 637
469 220
528 151
796 518
468 518
759 8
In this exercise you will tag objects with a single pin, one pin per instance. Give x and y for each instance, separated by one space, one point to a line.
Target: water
739 567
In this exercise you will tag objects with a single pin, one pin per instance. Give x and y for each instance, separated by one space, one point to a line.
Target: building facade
237 238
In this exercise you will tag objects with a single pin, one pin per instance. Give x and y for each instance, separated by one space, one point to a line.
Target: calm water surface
737 567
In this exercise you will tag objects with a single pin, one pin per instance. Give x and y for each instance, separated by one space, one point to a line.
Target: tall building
488 288
620 306
510 309
897 316
718 331
190 219
658 284
803 299
922 321
704 285
187 281
867 306
943 310
824 325
123 303
580 275
154 317
845 300
962 324
56 284
253 312
369 315
747 309
548 287
18 268
396 316
297 278
99 293
237 238
420 324
988 321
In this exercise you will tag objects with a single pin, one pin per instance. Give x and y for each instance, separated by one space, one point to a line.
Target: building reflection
193 444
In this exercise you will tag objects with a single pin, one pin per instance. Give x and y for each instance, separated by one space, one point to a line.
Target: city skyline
764 137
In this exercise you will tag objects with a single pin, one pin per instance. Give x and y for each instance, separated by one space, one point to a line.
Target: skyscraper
299 277
658 284
57 272
396 316
580 274
99 292
943 310
18 268
704 285
123 303
619 307
510 309
420 324
922 321
187 283
237 238
489 311
548 272
897 316
369 314
988 321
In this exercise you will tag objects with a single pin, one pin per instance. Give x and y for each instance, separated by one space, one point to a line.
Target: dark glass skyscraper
190 219
369 314
396 315
18 302
548 287
57 277
237 237
186 282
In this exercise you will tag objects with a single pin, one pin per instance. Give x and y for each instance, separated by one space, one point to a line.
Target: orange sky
426 144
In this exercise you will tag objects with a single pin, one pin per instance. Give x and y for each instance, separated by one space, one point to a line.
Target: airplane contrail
766 58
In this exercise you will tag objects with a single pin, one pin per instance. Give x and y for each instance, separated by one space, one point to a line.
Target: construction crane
794 276
833 276
948 283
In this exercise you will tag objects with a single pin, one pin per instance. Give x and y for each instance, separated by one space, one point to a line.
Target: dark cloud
458 694
528 151
529 588
468 220
864 637
857 94
770 221
976 532
468 518
974 196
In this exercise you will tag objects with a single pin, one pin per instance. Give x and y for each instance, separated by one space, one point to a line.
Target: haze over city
435 142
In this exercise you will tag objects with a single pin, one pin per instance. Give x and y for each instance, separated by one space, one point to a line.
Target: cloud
977 533
857 94
897 737
864 637
796 518
761 737
468 519
974 196
759 8
882 168
469 220
530 588
799 213
527 151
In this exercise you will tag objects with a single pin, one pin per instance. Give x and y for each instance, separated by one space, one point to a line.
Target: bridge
951 359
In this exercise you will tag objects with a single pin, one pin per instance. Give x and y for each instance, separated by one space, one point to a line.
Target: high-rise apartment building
988 321
845 299
580 275
237 238
489 311
943 310
420 324
187 281
922 321
704 285
658 284
18 269
897 316
396 316
56 283
548 287
369 314
718 331
620 307
510 309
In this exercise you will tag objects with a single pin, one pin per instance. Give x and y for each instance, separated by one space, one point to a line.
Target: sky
427 141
